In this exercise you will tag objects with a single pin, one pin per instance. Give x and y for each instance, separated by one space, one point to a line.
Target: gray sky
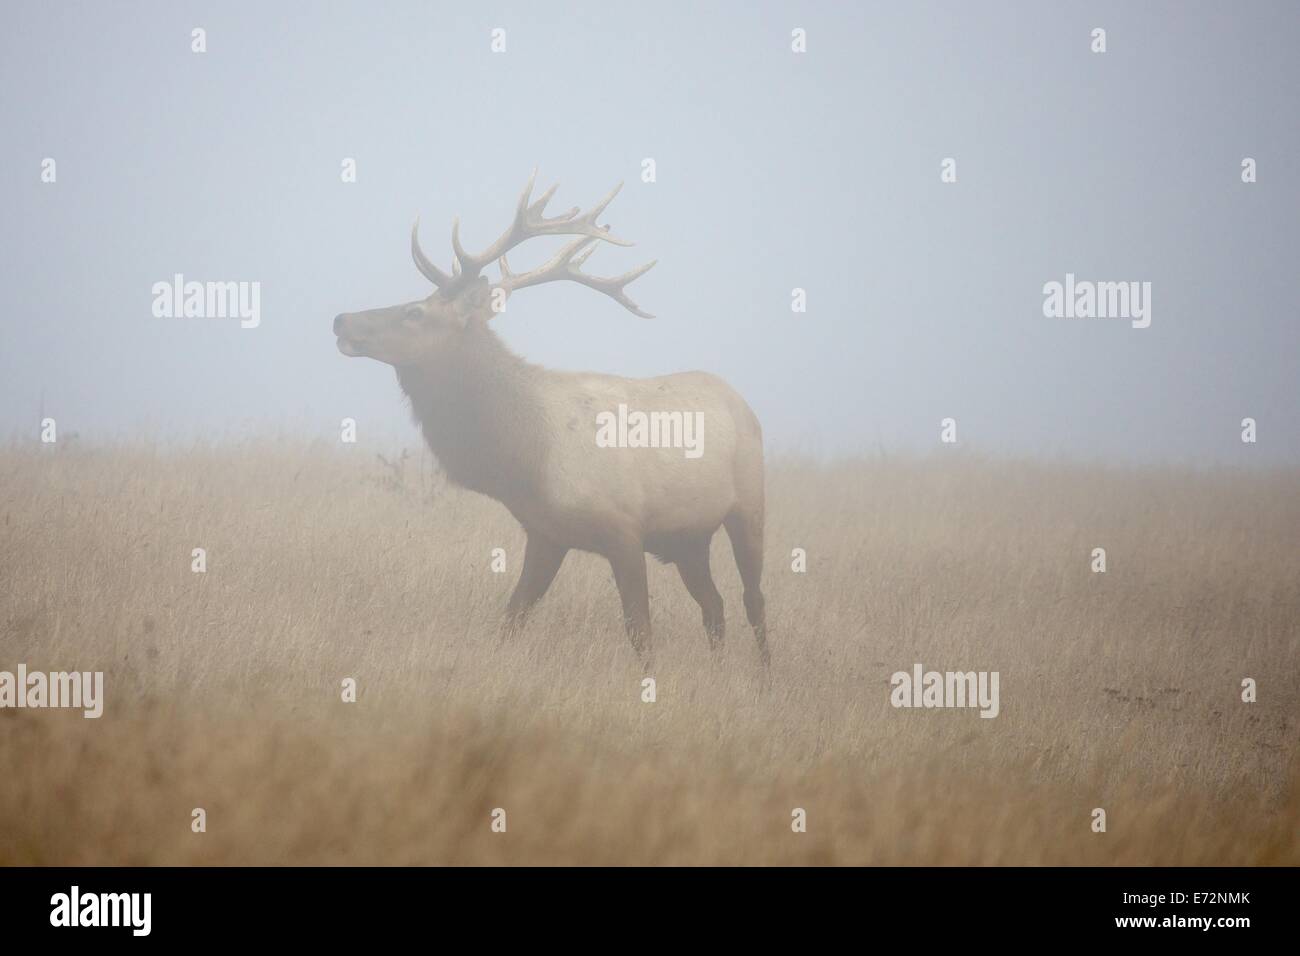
775 170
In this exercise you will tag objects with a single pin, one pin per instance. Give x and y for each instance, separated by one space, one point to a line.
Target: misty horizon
775 170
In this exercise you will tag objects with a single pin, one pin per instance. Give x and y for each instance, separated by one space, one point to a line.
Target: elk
523 434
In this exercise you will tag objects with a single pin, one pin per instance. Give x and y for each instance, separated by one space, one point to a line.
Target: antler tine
588 220
464 262
565 265
529 221
597 209
427 268
613 287
458 251
526 194
547 272
539 207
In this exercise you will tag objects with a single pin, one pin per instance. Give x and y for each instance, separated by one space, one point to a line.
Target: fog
774 170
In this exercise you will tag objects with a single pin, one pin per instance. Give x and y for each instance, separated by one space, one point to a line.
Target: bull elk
523 434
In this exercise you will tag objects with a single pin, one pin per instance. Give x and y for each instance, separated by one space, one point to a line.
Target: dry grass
1118 690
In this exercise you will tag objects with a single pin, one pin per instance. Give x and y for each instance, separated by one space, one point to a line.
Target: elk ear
474 301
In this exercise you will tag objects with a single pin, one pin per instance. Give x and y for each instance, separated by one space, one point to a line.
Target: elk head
416 333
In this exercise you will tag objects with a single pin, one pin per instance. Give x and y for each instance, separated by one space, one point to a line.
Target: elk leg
542 560
746 533
628 562
693 566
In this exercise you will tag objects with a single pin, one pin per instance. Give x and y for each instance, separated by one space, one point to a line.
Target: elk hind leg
745 529
693 565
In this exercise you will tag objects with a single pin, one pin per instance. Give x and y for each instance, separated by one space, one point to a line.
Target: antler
529 222
565 265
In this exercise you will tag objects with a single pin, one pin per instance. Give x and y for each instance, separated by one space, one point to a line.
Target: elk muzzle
345 327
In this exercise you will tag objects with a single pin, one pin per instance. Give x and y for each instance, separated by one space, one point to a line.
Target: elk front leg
628 562
542 560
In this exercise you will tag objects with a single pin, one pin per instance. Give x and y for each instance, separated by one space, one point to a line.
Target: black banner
980 906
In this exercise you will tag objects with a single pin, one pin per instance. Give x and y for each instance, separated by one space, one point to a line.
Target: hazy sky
775 170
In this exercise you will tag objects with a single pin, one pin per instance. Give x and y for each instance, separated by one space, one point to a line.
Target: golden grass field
1118 690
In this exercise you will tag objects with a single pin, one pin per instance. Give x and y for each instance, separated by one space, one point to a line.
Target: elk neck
479 408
